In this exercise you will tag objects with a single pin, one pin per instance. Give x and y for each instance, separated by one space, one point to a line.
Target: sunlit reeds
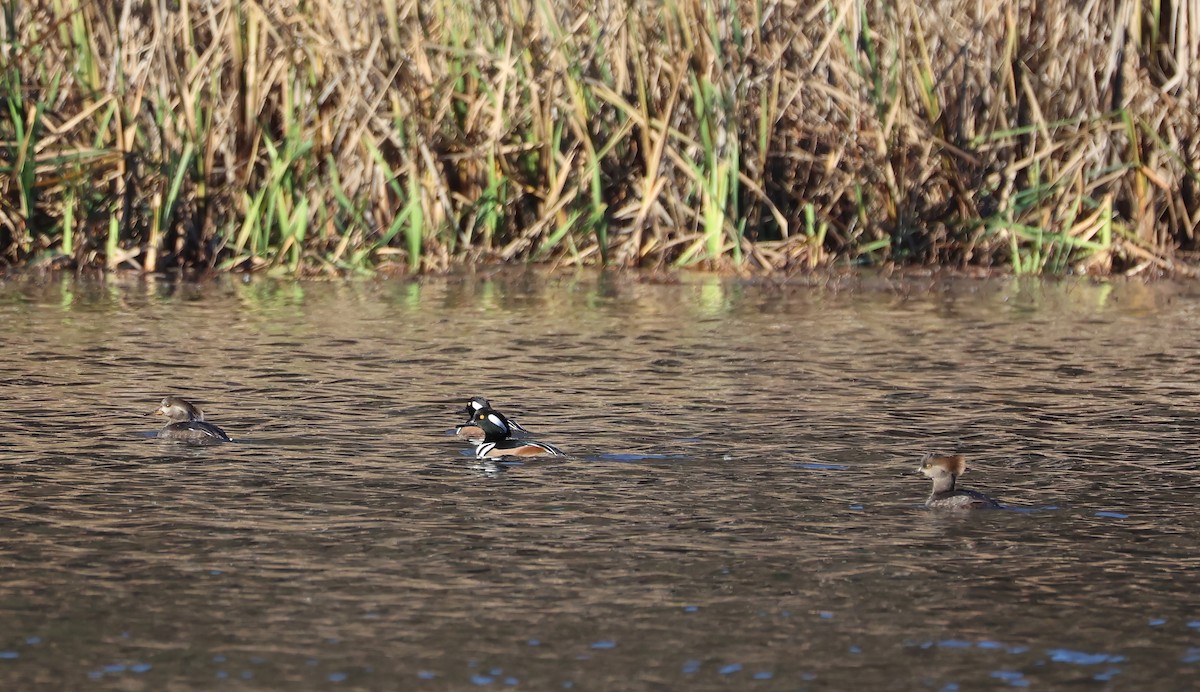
323 137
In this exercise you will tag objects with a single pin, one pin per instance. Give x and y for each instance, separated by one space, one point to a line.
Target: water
738 509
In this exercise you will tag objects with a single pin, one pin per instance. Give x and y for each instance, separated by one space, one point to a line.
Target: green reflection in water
713 299
270 295
411 295
66 291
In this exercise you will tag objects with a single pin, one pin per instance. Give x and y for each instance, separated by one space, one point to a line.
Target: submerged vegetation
336 137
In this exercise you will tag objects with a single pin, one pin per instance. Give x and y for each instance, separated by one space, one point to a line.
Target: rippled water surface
737 508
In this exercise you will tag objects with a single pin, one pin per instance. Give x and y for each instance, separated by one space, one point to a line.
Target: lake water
738 509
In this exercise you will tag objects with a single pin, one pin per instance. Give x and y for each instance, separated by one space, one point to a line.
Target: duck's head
178 410
475 405
493 423
935 465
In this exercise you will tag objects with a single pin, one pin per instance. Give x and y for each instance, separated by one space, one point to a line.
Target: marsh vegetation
344 137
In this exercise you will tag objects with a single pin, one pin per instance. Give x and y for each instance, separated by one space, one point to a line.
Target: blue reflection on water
985 644
1082 659
1012 677
114 668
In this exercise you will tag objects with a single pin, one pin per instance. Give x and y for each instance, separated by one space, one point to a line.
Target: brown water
738 509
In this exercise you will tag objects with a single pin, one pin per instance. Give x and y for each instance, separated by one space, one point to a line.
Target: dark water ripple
738 508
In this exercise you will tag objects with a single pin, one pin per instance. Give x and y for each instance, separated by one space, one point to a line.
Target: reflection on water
738 508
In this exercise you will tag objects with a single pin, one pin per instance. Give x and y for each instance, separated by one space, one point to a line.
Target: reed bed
322 137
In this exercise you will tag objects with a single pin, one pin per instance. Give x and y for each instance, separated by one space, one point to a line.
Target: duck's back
516 448
961 499
194 431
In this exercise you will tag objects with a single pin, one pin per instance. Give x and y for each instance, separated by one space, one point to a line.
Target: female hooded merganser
187 422
945 470
471 430
497 439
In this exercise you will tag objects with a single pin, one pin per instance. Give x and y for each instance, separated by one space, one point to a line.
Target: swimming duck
497 439
469 429
945 470
187 422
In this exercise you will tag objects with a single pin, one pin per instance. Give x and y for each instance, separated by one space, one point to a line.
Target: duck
944 471
470 430
186 422
497 441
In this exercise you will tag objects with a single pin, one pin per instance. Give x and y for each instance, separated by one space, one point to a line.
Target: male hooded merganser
471 430
497 439
187 422
945 470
